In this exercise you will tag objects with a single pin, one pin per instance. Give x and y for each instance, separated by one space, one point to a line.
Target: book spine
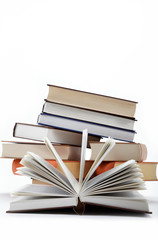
14 129
144 152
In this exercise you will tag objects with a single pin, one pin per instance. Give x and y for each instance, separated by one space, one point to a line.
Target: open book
115 188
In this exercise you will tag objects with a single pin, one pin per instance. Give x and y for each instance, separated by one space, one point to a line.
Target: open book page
108 145
36 167
83 156
132 200
124 178
44 178
68 174
32 203
41 190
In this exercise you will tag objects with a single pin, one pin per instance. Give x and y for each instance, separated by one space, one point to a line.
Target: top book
92 101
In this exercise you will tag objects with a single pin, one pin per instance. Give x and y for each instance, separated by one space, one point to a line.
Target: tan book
149 170
121 151
18 149
91 101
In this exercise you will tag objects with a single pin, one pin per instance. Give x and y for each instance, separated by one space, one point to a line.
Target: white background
107 47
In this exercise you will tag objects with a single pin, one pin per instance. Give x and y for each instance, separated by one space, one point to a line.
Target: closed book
59 136
88 115
72 165
19 149
121 151
79 126
91 101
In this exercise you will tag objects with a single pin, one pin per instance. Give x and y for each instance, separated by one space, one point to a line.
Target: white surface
111 224
107 47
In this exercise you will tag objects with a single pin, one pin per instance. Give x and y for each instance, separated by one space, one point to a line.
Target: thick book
149 169
91 101
18 149
88 115
121 152
59 136
116 188
78 126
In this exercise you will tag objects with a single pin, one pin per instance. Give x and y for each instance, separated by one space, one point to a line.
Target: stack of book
71 156
72 110
77 110
65 114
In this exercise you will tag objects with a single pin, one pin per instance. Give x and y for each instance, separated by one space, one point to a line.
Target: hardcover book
121 152
91 101
149 169
88 115
18 149
59 136
78 126
116 188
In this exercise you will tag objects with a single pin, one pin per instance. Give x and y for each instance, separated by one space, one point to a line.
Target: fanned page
125 177
83 155
116 188
108 145
68 174
37 168
38 190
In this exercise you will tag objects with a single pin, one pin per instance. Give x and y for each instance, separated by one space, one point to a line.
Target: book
149 169
91 101
60 136
88 115
73 166
78 126
116 188
121 152
18 149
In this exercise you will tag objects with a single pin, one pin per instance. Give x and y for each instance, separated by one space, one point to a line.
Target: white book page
122 176
68 174
119 183
45 169
108 145
83 155
30 203
41 190
29 173
127 186
126 200
110 173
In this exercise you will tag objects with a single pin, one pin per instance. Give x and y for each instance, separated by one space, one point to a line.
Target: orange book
148 168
